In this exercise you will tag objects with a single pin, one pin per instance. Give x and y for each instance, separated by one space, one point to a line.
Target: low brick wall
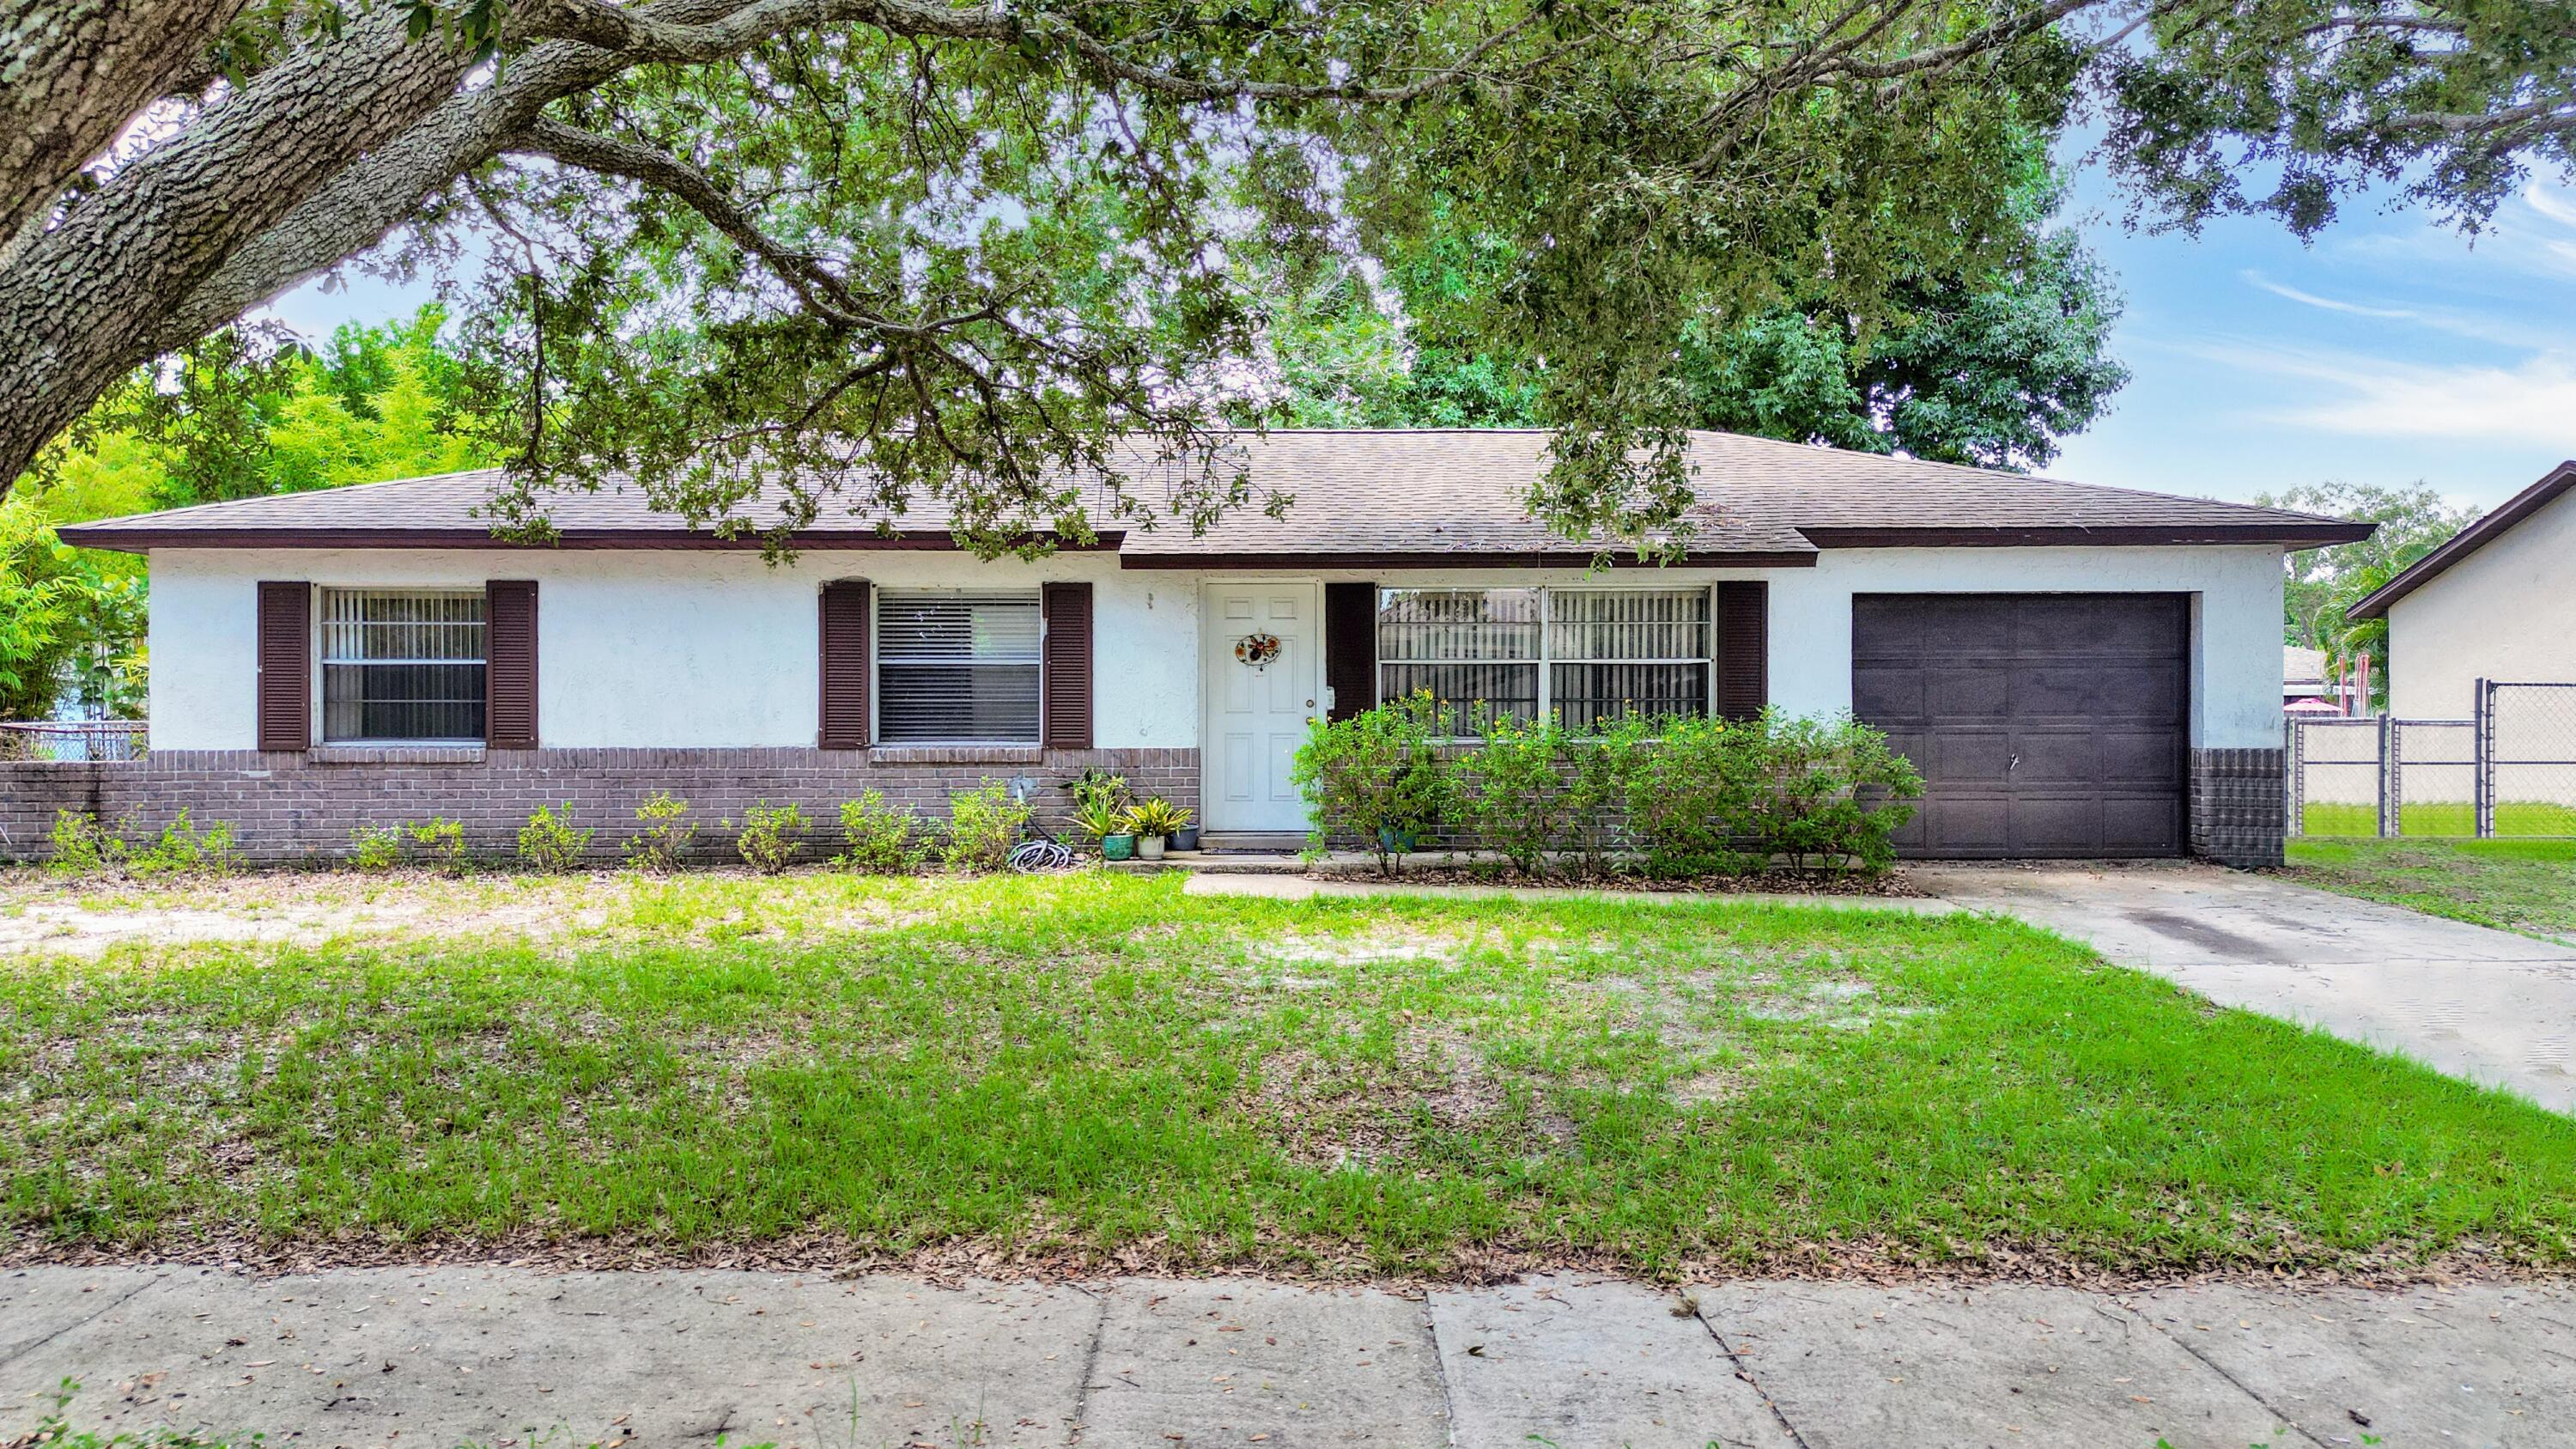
293 807
32 792
2239 807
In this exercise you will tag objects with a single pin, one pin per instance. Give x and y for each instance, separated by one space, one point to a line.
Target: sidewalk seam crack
1440 1366
1090 1364
1744 1371
13 1354
2205 1361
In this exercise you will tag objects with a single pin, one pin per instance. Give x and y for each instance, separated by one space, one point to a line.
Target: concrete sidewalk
510 1357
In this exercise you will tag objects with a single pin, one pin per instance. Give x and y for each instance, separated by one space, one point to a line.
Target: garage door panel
2055 757
1888 691
2056 823
1970 693
1965 757
1967 826
1886 619
2142 758
2043 724
2140 825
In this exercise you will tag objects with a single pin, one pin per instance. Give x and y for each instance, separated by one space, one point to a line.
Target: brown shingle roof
1356 496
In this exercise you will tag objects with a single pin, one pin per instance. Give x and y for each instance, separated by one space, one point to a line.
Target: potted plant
1154 820
1100 811
1185 834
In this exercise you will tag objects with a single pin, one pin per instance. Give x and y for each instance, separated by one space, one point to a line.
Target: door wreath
1256 650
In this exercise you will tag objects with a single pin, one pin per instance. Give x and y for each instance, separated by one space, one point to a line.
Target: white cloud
2532 401
2328 303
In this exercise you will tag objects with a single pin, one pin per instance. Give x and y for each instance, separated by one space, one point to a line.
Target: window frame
323 662
1546 661
877 595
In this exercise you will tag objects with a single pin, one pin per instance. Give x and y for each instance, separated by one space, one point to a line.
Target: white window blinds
401 665
957 667
1584 655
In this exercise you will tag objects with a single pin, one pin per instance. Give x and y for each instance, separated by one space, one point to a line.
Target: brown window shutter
1743 649
1064 680
1350 647
510 664
285 685
844 645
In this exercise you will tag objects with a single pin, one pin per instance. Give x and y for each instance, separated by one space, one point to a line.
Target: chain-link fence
2510 770
72 740
2526 758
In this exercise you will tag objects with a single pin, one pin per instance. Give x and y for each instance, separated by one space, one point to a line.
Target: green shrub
376 849
549 843
984 827
1514 789
883 839
83 847
1684 785
1821 791
771 836
1378 775
1594 806
666 837
442 844
1711 797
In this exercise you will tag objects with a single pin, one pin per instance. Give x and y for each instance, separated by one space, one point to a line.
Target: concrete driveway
2489 1006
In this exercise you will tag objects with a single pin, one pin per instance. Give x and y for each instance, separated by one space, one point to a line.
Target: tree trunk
78 72
87 301
317 160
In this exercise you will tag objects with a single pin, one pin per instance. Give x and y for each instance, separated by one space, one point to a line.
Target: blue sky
2390 351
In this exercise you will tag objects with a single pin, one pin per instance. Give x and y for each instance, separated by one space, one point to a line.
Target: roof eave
2316 535
2467 541
143 540
1460 559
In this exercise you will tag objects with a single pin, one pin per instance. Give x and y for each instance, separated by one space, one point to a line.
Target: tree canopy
238 414
1986 364
2324 583
959 248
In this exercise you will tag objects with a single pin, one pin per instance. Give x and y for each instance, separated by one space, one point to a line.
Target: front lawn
2514 885
1105 1070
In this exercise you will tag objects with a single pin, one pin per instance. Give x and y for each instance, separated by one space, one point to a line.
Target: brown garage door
2044 724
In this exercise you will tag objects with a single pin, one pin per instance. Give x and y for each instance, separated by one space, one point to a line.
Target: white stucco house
2077 670
2497 602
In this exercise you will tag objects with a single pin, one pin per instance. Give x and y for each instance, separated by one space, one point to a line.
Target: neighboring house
2496 602
2078 671
2310 688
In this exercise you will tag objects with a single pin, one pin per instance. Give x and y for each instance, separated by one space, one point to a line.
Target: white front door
1257 713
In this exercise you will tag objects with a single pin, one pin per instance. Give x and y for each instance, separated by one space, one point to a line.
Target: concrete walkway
2489 1006
513 1357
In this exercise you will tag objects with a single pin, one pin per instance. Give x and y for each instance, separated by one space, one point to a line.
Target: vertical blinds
1584 655
957 667
401 665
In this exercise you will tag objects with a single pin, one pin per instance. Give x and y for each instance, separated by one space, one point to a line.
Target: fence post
2482 790
2387 777
2294 744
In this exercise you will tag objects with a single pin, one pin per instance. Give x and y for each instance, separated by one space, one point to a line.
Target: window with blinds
401 666
1584 655
957 667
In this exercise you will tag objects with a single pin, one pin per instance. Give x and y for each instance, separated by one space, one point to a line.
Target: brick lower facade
2239 806
287 808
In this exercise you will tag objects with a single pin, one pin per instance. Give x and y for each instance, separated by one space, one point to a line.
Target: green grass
2514 885
2514 818
1109 1069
